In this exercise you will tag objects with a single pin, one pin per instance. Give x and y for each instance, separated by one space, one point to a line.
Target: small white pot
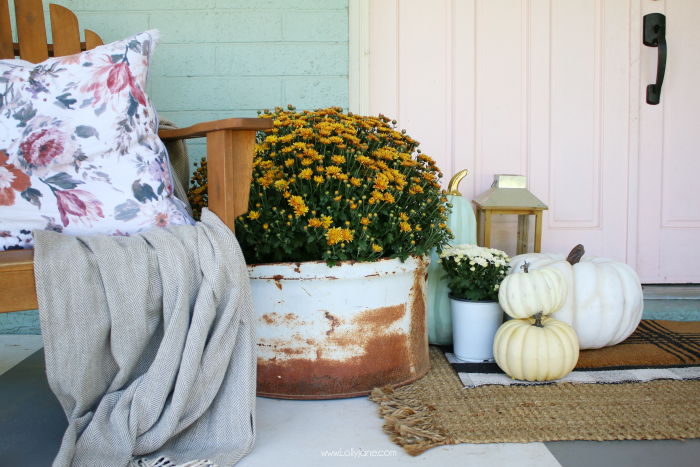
474 326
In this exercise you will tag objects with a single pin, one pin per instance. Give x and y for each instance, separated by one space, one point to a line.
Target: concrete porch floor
302 433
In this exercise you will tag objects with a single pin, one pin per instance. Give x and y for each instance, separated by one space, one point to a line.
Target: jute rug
656 350
436 411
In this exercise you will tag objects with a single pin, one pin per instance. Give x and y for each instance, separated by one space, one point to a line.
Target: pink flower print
42 146
160 213
113 78
11 180
161 219
78 205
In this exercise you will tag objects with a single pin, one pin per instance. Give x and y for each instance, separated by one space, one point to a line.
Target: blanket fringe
408 422
165 462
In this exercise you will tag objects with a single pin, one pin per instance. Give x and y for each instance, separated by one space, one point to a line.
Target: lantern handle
454 183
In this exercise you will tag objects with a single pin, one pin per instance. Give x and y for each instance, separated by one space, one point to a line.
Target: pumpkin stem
576 254
538 320
525 266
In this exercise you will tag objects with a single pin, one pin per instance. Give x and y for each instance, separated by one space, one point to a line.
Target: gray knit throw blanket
150 345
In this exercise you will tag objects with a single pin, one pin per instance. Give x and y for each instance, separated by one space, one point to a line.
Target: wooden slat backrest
31 31
92 40
6 46
64 31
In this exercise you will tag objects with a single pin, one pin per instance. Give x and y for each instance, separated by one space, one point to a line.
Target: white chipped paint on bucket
337 332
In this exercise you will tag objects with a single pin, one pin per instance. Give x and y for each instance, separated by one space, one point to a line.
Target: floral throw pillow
79 149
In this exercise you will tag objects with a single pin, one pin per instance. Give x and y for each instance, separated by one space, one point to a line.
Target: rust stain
385 362
297 268
379 318
289 319
277 278
335 322
419 330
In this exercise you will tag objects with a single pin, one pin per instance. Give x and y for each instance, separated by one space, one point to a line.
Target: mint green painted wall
221 59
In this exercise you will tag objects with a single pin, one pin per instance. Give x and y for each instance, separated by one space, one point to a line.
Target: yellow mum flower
287 149
403 216
312 153
299 145
365 221
347 235
265 182
377 196
326 221
252 215
314 222
376 248
338 159
295 201
289 162
405 227
306 174
301 210
334 235
336 139
307 161
319 179
332 170
355 181
281 185
305 132
381 182
272 139
337 198
389 198
320 168
418 228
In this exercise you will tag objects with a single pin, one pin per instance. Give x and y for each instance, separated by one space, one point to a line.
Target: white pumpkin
522 294
536 349
604 303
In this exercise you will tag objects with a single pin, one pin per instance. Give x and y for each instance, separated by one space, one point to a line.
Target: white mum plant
474 272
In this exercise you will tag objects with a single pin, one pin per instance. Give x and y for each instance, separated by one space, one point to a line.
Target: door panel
669 192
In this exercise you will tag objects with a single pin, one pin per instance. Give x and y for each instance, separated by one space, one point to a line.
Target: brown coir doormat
436 410
656 350
654 343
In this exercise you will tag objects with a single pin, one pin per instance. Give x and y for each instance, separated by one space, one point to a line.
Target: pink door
554 90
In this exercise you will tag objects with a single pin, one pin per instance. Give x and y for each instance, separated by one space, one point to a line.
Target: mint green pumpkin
462 222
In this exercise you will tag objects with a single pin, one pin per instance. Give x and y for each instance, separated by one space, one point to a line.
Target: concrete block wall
221 59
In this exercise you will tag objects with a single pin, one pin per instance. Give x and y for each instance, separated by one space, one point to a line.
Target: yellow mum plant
334 186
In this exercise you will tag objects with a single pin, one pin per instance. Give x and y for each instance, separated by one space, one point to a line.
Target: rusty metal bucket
330 333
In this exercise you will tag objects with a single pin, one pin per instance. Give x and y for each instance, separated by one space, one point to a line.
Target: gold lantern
508 195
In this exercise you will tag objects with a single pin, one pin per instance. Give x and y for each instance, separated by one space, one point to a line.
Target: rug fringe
408 422
165 462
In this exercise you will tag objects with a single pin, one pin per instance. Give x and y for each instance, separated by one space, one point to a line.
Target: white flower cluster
475 255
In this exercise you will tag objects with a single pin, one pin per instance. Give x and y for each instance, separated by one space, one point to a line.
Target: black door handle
655 36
